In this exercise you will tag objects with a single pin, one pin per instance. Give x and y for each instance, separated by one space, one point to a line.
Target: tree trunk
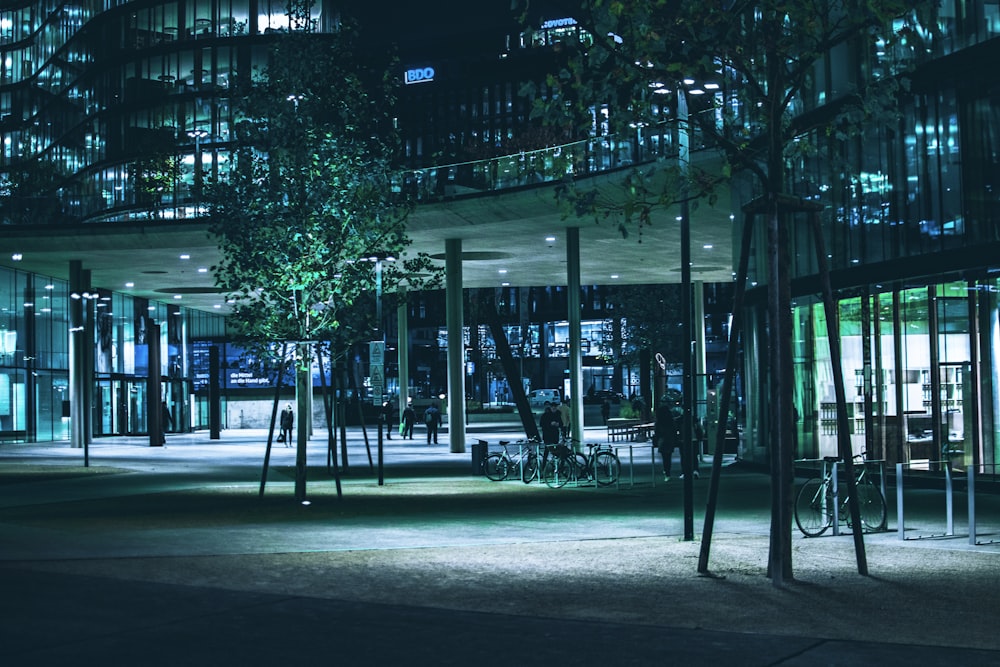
302 389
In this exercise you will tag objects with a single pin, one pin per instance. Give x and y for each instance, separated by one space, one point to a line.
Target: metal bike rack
631 463
949 511
835 483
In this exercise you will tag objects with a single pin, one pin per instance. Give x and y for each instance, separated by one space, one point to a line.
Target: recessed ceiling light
550 239
614 276
129 284
202 269
185 256
17 257
177 296
502 271
708 246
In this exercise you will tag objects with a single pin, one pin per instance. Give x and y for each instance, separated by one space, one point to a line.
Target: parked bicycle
815 509
501 465
563 465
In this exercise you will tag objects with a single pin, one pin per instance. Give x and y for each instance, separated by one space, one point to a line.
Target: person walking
564 417
166 419
550 424
432 419
409 417
386 418
665 435
606 410
287 421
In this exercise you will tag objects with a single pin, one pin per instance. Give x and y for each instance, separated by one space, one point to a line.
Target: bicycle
814 504
563 465
501 465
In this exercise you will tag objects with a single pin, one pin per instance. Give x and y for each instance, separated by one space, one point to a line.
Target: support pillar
700 366
76 362
403 353
214 397
573 317
456 357
87 348
154 412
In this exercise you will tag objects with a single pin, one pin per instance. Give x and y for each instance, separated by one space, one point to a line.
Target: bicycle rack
835 483
949 491
631 463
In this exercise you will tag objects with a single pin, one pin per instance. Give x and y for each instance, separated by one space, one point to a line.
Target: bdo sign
418 75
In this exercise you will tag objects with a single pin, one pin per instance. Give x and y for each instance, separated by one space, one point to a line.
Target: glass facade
35 337
920 367
910 213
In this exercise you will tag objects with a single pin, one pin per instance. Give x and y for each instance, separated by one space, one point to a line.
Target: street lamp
197 135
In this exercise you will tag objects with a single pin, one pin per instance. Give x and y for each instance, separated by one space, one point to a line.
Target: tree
30 194
652 320
307 219
739 76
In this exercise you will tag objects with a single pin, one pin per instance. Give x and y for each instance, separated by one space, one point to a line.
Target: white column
573 317
456 356
403 353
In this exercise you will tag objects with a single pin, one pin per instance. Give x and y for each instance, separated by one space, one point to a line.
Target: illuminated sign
558 23
418 75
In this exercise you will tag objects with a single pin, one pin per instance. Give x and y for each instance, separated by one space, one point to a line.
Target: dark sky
421 21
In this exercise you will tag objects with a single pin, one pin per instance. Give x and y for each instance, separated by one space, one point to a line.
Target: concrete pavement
162 555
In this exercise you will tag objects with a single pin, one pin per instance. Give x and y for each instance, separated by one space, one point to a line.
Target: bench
13 436
632 430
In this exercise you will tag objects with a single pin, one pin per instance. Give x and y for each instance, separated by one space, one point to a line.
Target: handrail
545 165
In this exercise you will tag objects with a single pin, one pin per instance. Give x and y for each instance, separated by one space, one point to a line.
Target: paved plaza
167 555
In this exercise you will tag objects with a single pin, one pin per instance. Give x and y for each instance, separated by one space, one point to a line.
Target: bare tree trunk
274 413
727 389
843 432
302 389
331 438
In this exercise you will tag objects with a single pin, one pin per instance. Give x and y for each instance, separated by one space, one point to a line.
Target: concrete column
87 348
154 411
403 353
456 356
701 382
214 395
77 370
573 316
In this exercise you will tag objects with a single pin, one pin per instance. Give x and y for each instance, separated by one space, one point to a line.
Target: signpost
376 369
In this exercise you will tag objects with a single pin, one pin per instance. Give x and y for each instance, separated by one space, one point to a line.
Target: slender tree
307 215
745 78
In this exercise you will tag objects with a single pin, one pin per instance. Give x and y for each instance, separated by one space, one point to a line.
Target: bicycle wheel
606 467
814 508
495 467
582 466
557 472
529 468
871 506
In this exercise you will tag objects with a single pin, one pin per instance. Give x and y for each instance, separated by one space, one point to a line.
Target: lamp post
197 135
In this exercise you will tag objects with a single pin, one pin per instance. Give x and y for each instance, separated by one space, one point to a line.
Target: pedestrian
409 417
165 419
386 417
432 419
606 410
665 435
550 424
286 423
564 417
